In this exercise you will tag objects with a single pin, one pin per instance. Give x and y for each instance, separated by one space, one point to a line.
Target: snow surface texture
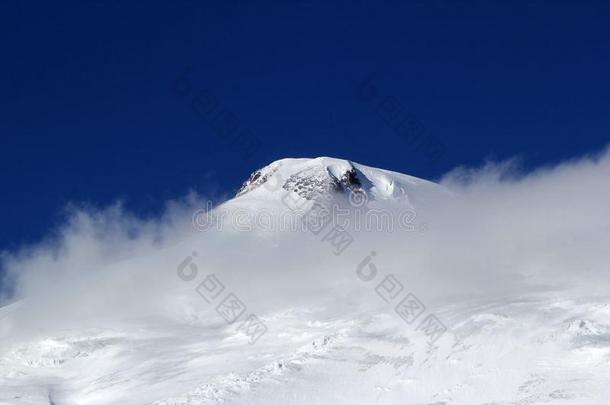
116 309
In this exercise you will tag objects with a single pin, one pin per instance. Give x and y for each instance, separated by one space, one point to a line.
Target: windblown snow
484 288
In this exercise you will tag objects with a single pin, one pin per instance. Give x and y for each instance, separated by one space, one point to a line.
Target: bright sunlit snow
489 287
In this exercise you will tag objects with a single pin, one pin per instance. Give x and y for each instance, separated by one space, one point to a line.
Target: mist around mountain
324 281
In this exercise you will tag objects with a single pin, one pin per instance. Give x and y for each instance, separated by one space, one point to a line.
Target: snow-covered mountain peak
322 175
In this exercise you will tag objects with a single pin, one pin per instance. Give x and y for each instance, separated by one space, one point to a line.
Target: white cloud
498 233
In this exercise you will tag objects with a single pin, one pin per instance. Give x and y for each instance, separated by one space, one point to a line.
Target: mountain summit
322 175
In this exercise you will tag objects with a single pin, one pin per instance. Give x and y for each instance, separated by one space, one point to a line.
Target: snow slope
140 332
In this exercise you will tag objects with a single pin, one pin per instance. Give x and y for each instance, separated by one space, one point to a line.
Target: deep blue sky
88 112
